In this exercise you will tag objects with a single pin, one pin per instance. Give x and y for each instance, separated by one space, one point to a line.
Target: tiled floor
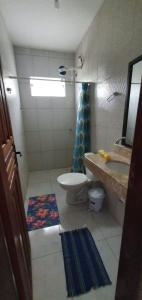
47 262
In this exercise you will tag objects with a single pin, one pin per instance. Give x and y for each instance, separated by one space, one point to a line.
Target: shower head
62 70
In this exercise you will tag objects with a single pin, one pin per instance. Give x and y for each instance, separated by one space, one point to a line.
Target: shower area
48 107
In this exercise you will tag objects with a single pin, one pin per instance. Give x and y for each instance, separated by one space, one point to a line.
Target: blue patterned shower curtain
82 135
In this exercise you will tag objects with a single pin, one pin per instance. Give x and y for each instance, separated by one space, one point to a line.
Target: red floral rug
42 212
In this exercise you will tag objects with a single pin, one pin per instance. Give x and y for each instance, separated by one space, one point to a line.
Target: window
47 87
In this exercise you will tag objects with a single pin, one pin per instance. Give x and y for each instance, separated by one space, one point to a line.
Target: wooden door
8 290
11 205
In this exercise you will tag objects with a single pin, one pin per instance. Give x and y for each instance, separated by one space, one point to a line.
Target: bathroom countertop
114 180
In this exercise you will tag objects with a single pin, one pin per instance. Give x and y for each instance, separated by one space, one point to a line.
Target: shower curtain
82 134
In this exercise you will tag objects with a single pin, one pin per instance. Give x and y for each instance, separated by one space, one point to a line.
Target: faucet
120 139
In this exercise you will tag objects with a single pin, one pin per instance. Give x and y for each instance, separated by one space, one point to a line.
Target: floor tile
41 188
103 293
115 243
39 176
48 269
49 278
88 296
78 220
109 259
45 241
107 224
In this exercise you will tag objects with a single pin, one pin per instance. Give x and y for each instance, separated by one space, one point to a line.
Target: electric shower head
62 70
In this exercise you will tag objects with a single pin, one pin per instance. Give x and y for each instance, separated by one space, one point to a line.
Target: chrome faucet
120 139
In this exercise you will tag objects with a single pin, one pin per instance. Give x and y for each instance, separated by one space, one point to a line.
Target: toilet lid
72 179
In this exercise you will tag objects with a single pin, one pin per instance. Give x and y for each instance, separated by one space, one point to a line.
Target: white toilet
76 185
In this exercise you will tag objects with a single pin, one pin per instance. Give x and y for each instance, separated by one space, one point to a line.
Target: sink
118 166
113 173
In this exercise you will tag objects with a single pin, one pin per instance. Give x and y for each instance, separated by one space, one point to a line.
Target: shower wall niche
48 121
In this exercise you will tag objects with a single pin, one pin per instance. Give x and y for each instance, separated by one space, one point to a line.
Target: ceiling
38 24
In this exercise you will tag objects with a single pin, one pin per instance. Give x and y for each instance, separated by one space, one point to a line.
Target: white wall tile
35 161
69 157
63 139
49 160
27 101
47 140
110 43
44 102
136 45
33 141
47 120
63 119
61 103
24 65
60 159
30 119
41 66
54 64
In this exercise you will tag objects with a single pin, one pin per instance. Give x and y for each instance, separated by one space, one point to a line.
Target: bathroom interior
47 62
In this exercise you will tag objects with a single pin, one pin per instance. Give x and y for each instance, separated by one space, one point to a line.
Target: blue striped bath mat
84 268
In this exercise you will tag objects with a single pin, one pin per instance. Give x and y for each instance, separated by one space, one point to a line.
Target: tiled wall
48 122
111 42
13 99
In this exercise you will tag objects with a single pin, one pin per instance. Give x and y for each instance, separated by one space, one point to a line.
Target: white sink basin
118 166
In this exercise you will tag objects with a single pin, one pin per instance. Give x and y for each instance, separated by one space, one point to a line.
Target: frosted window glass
43 88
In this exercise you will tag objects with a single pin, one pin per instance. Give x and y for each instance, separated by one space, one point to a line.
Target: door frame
129 280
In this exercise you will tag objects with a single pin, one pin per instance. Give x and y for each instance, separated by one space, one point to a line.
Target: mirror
132 99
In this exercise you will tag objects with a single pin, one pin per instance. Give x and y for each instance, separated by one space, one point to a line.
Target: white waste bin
96 198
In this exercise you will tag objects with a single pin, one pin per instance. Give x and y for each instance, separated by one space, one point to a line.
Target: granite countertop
116 181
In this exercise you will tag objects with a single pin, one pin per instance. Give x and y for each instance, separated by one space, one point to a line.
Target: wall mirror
132 99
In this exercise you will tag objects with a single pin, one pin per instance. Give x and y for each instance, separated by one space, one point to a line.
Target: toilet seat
75 184
72 179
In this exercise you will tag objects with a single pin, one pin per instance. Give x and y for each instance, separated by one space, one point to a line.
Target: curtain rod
45 79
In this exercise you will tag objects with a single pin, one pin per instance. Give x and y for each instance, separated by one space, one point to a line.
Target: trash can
96 198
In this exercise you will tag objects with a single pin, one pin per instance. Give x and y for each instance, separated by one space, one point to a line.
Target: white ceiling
38 24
